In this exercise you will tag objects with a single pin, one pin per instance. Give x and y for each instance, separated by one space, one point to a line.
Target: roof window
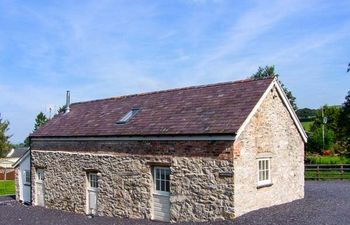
128 116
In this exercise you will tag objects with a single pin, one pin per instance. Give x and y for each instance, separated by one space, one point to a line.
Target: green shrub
315 143
327 160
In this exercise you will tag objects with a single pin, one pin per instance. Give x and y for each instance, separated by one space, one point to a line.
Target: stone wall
270 132
17 174
198 193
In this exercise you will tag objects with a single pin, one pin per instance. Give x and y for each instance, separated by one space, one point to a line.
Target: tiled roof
208 109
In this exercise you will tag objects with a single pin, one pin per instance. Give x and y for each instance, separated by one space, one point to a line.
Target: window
128 116
26 177
40 175
93 180
162 180
264 172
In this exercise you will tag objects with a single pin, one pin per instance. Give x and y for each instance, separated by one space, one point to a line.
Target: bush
327 160
315 140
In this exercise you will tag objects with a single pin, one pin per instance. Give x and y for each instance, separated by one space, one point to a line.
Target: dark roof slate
208 109
18 153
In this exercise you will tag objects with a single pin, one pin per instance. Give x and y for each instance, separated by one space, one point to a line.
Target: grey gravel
325 203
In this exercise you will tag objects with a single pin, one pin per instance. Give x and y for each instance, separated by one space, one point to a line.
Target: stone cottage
190 154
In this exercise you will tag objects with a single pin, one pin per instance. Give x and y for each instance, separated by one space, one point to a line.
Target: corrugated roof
208 109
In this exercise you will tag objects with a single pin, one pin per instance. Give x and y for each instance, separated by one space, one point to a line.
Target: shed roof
207 109
17 152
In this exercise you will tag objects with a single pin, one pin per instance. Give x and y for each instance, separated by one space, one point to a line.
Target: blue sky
101 49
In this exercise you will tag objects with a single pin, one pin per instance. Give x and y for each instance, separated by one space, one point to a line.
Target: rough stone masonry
198 192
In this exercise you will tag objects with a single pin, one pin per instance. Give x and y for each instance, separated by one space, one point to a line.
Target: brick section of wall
270 132
198 193
216 149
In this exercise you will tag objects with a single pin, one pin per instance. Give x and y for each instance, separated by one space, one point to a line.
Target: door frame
89 189
39 180
155 192
25 187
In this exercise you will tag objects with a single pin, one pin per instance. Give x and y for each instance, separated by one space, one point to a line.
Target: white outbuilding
23 178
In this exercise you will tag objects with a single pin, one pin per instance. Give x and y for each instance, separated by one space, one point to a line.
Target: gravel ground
324 203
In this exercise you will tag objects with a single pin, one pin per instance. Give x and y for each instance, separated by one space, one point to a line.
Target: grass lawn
307 125
326 174
7 187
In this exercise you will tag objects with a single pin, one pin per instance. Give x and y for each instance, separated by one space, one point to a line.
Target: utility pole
324 118
50 111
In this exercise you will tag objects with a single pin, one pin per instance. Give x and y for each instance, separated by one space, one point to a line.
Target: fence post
318 172
341 171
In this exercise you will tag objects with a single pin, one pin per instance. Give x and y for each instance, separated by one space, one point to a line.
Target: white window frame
93 180
166 193
26 174
40 175
128 116
263 170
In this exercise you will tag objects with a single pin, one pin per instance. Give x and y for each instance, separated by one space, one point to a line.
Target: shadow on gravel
7 197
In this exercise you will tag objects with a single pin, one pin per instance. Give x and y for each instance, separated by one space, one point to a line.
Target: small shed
23 178
7 171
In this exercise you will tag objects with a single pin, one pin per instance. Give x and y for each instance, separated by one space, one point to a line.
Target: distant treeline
330 137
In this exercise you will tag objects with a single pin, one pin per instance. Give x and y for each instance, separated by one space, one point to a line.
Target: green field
307 125
7 187
327 175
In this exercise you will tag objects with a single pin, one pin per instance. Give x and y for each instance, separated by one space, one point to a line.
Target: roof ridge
176 89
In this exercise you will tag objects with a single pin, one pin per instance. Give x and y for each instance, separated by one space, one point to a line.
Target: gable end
275 84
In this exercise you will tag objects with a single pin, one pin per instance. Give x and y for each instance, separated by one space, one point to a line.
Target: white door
92 191
40 188
26 186
161 195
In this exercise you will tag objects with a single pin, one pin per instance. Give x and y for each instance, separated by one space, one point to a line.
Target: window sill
264 185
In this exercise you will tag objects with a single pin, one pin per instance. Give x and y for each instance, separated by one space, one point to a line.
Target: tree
40 120
62 109
4 137
344 124
26 142
315 141
269 71
306 114
332 113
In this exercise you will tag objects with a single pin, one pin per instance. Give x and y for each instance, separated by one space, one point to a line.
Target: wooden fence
7 174
327 171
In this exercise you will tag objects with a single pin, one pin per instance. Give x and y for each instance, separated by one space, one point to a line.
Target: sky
99 49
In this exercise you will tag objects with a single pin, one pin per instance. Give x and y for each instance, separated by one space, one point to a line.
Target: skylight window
128 116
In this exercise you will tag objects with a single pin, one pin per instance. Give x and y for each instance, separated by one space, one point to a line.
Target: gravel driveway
324 203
